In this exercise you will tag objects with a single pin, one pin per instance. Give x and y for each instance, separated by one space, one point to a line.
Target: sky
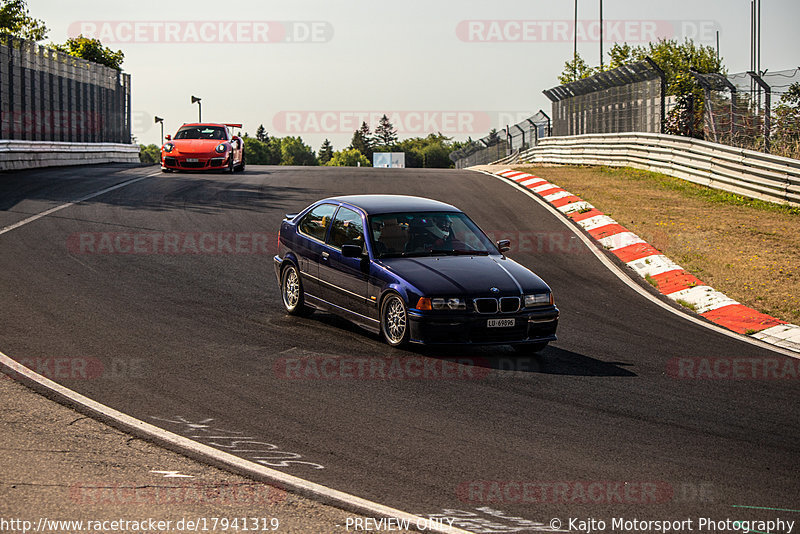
317 68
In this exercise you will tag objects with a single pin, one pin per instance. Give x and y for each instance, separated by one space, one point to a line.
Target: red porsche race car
203 146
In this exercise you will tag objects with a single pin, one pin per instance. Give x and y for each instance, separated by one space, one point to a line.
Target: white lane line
76 201
193 448
628 281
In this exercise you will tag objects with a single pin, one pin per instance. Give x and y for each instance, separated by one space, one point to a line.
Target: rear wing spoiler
233 125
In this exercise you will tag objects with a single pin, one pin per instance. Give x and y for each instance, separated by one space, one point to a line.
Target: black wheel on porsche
394 320
240 167
292 292
231 167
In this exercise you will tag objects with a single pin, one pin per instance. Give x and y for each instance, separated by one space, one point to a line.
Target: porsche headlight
221 148
168 147
538 299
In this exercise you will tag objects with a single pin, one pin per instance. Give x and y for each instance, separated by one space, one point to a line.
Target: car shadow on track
502 358
552 360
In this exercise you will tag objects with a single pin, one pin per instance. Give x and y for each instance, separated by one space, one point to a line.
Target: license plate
500 323
192 160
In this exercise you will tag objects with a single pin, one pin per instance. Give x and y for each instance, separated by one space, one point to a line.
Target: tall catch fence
46 95
630 98
746 110
498 145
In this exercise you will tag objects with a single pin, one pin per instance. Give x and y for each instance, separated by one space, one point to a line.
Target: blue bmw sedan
413 270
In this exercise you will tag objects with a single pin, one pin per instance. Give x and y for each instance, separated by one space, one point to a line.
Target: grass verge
748 249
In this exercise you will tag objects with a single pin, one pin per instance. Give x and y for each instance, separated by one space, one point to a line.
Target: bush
348 158
150 154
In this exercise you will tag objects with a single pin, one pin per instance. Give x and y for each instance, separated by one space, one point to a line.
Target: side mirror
504 245
168 137
351 251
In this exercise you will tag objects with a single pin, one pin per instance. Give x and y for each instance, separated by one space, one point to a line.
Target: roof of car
375 204
203 124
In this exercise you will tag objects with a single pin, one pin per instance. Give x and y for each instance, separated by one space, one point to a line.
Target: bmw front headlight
448 304
538 299
221 148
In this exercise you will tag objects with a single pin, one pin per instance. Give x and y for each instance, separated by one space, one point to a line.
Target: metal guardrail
736 170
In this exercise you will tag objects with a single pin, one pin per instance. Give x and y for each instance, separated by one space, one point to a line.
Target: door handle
325 255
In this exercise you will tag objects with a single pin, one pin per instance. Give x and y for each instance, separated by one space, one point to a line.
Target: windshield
201 132
427 234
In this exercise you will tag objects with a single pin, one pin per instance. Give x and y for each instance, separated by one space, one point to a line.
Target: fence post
767 103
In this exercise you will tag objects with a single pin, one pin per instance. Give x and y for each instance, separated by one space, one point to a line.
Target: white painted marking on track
530 181
171 474
574 206
654 265
705 298
620 240
628 281
305 487
544 187
596 222
72 203
557 195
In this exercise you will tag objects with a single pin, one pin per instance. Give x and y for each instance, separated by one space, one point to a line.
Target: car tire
165 170
530 348
292 292
240 167
394 320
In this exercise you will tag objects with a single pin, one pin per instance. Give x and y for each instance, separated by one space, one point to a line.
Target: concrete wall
16 155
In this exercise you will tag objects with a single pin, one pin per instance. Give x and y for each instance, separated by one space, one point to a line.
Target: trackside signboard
394 160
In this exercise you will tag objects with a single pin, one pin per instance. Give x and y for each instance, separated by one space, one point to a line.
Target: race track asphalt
598 425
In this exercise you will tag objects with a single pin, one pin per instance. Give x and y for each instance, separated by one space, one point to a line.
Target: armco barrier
744 172
15 155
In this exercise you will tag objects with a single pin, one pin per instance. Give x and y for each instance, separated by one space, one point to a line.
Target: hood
196 146
466 275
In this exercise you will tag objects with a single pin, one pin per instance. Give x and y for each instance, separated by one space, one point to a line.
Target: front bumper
204 162
530 326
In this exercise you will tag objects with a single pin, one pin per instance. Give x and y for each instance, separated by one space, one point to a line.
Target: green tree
349 157
92 50
16 20
787 121
261 134
150 154
574 70
385 133
362 140
432 151
295 152
325 152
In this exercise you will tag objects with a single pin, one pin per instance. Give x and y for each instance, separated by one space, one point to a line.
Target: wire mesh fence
46 95
752 111
499 144
745 110
626 99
